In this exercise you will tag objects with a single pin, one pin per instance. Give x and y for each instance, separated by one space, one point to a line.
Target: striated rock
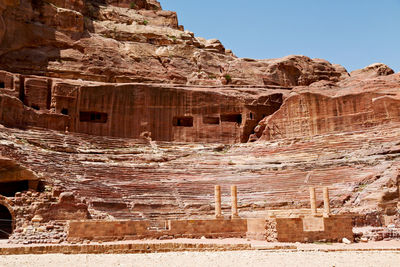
125 178
122 113
349 105
10 171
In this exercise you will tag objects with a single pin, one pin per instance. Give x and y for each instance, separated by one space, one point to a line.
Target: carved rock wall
348 106
166 112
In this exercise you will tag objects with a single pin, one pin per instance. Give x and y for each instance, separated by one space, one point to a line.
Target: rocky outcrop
350 105
372 71
11 171
133 41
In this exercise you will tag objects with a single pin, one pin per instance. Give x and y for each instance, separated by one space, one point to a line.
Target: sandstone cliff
132 41
123 84
369 97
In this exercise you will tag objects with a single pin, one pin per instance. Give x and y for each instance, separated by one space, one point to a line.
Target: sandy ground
214 259
305 255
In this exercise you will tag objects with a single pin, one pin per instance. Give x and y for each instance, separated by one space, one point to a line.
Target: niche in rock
97 117
184 121
232 118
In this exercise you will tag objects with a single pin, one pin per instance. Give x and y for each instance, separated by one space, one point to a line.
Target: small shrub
132 5
228 78
145 22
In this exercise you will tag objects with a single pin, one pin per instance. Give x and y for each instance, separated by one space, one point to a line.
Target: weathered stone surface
121 42
324 107
123 85
11 171
166 112
125 178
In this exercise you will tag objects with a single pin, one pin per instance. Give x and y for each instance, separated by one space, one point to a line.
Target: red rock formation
128 69
125 178
170 113
142 43
350 105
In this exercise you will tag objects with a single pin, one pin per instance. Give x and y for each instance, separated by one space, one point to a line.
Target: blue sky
353 33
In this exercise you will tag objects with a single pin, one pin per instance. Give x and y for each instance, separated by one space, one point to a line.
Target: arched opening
6 222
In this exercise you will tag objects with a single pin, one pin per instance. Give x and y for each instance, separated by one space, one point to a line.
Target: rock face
122 42
133 179
350 105
119 113
167 112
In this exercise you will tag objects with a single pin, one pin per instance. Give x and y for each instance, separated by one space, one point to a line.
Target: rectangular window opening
185 121
2 85
91 116
232 118
211 120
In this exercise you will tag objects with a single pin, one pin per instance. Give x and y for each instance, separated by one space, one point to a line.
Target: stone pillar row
218 210
327 208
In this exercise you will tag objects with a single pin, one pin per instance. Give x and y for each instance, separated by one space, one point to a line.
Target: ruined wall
41 217
301 229
313 229
118 230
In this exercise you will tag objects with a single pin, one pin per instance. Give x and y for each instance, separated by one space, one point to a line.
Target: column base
326 215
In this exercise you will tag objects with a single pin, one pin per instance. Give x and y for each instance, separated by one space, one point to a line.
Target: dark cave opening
9 189
5 223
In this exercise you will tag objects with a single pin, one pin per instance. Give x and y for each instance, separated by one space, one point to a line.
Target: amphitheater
115 130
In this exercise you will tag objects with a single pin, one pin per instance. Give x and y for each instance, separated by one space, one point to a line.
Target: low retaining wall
120 248
129 230
302 229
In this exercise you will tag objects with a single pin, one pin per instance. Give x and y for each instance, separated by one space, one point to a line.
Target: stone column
234 201
218 213
313 201
327 208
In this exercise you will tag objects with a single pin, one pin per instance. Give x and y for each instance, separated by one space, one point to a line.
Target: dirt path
214 259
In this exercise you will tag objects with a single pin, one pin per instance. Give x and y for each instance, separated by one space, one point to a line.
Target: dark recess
211 120
186 121
91 116
64 111
5 222
35 107
232 118
9 189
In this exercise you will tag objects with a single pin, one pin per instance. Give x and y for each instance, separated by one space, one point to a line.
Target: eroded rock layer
127 178
349 105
